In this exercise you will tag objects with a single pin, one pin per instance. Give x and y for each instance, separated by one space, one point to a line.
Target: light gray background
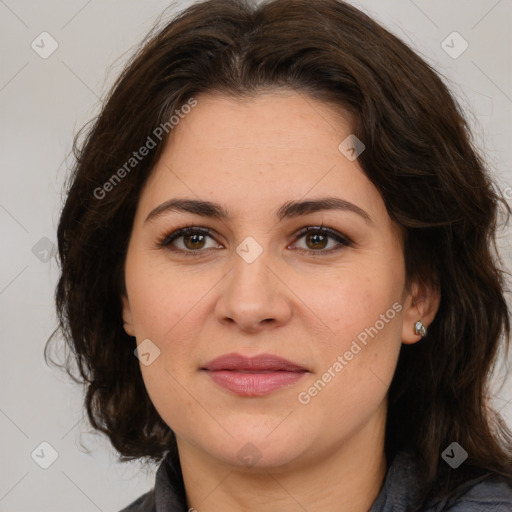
43 103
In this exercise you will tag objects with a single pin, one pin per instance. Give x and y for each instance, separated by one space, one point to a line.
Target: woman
279 276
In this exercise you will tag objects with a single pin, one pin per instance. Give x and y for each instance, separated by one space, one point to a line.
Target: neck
342 478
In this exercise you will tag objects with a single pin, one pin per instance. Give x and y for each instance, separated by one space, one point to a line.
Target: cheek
160 300
173 398
358 363
351 300
360 312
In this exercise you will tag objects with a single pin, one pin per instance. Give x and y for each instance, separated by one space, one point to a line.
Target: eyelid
343 240
168 238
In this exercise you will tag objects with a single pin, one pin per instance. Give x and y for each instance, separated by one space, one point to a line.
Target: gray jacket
487 493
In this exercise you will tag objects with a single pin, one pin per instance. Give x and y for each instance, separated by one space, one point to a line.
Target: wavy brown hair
420 156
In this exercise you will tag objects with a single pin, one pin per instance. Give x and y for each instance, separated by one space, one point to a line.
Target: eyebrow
290 209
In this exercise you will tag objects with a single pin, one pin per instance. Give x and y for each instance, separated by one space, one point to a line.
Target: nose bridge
252 294
250 275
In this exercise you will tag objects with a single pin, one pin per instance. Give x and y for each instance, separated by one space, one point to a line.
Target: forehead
253 153
279 119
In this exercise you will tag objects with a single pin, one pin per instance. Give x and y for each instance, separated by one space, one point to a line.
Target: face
332 301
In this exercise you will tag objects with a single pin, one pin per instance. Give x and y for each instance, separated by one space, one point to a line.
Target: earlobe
127 317
420 308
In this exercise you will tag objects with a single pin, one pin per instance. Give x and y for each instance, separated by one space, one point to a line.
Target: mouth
256 364
255 376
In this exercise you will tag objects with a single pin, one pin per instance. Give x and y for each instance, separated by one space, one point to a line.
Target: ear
127 316
421 303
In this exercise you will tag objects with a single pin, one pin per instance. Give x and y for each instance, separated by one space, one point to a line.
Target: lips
257 364
253 376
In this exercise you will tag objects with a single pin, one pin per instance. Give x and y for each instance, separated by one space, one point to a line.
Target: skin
251 156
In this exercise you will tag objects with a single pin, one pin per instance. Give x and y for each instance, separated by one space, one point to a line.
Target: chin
258 452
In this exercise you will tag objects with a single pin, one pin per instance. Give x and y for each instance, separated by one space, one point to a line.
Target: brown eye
188 239
322 240
316 240
193 242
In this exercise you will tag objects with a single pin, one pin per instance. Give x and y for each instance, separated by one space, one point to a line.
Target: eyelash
166 241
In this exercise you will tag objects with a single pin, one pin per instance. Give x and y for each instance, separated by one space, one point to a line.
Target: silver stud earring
419 328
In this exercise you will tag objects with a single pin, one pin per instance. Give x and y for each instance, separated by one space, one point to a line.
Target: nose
253 297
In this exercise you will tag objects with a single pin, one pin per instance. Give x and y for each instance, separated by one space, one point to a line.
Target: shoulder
491 494
145 503
487 492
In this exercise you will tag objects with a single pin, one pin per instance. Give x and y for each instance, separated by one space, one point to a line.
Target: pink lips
254 376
